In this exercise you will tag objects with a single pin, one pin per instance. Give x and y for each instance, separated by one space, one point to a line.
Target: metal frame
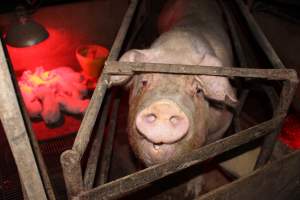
17 134
79 186
70 159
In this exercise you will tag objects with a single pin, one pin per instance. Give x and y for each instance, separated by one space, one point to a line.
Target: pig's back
198 20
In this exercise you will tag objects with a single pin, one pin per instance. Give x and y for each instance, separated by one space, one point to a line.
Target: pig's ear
216 88
130 56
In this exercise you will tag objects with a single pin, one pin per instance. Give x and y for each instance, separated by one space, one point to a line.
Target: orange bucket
91 59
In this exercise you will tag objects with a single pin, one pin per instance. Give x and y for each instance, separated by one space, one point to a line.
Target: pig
171 115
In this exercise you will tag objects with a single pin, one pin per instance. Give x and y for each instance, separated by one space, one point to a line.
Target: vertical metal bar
105 164
90 172
286 96
242 62
16 134
84 133
118 43
70 161
34 143
88 122
74 182
234 35
259 36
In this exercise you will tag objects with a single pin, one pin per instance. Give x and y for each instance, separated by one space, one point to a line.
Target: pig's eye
198 90
144 82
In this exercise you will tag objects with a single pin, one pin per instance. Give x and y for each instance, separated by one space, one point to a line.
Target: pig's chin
152 154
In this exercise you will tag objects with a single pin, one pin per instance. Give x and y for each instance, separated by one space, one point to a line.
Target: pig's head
169 114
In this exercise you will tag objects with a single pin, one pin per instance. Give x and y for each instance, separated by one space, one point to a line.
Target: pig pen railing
79 186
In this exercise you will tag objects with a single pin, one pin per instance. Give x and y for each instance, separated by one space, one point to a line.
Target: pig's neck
182 46
200 28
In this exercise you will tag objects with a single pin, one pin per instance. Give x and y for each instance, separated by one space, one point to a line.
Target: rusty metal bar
242 60
118 43
84 133
106 159
132 182
236 119
70 159
34 143
70 162
259 36
129 68
272 95
234 35
275 181
16 133
71 168
90 172
286 97
88 122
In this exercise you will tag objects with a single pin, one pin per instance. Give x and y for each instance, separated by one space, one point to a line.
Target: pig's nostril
150 118
174 120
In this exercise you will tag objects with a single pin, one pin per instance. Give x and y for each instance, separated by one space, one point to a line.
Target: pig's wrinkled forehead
161 77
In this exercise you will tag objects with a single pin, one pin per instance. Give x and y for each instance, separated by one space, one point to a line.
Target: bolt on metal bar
17 135
90 172
106 158
260 36
127 184
129 68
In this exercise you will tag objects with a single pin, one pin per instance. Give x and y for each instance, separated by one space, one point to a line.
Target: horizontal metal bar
278 180
130 183
129 68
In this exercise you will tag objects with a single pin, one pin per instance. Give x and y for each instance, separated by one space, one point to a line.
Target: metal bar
84 133
272 95
90 172
70 162
33 141
118 43
234 35
236 119
74 181
17 136
106 159
286 97
279 180
242 60
259 36
88 122
132 182
129 68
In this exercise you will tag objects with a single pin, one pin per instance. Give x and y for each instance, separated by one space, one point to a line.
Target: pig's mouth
157 153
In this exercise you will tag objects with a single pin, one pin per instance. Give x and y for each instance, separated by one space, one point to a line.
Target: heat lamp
25 32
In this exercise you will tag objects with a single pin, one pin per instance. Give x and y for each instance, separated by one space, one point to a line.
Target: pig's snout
162 122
